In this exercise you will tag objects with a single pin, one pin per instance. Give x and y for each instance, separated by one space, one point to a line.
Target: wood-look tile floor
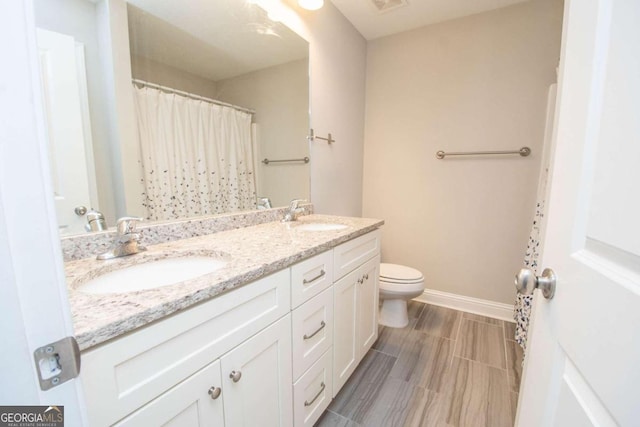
445 369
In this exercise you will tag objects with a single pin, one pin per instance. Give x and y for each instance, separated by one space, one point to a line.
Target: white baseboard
483 307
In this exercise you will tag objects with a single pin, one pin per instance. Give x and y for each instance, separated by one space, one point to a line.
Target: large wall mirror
169 110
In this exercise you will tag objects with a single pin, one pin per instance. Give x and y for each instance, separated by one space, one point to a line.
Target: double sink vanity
258 325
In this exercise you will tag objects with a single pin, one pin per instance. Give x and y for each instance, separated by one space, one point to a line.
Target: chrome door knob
80 210
527 281
235 376
215 392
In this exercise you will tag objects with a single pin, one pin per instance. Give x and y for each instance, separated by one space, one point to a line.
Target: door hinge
57 362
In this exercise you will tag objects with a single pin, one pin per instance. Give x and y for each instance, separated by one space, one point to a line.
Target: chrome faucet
294 210
126 241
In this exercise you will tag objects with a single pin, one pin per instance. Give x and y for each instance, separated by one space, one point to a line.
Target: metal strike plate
57 362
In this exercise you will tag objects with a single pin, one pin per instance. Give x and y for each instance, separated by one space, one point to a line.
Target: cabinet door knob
366 276
235 376
215 392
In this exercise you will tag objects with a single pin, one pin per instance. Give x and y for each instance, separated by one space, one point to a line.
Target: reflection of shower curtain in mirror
196 157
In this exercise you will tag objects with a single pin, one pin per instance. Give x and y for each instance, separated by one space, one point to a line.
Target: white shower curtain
522 311
196 157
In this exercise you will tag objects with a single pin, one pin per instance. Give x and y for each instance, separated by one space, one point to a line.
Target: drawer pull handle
307 403
306 282
308 337
235 376
215 392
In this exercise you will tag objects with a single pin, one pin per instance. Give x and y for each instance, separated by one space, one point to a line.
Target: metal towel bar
304 160
524 152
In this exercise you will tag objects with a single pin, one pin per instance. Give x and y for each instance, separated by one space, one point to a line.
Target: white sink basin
152 274
321 226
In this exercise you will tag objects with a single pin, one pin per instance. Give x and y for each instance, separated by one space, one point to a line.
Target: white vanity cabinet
141 370
248 386
271 353
355 304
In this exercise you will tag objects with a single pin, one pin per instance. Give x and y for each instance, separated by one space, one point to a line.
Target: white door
61 90
34 310
583 363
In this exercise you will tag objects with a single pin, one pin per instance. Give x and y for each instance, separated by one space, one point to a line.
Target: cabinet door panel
262 396
345 348
368 306
186 405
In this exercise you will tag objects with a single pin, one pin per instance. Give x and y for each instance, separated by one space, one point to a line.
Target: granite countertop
251 252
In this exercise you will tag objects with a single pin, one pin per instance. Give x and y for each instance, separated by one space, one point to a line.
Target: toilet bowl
398 284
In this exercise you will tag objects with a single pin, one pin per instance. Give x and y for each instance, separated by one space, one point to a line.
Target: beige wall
476 83
337 62
280 97
165 75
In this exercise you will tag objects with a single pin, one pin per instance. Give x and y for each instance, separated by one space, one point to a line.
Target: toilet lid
395 273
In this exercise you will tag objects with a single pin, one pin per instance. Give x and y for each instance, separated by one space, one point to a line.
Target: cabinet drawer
312 331
124 375
310 277
350 255
312 392
186 405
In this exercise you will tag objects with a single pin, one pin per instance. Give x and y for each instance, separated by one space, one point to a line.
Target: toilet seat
396 278
400 274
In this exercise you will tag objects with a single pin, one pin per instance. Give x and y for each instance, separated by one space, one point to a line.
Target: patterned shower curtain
196 157
522 311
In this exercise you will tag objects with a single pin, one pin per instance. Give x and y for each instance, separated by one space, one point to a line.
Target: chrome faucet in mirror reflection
294 210
264 203
95 221
126 241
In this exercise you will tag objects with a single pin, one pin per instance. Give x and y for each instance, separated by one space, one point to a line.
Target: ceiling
404 15
212 39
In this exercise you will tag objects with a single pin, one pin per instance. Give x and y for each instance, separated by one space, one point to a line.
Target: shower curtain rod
191 95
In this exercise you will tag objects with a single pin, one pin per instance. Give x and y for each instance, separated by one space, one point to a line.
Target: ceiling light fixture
311 4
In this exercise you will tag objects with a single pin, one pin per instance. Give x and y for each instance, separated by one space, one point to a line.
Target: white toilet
398 284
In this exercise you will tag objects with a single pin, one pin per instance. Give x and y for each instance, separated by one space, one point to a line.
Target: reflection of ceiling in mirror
225 38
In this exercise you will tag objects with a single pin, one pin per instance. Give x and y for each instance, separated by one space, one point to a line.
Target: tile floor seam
506 353
386 354
455 345
481 363
482 315
485 323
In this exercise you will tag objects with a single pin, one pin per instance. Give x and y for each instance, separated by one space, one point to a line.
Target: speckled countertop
251 252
